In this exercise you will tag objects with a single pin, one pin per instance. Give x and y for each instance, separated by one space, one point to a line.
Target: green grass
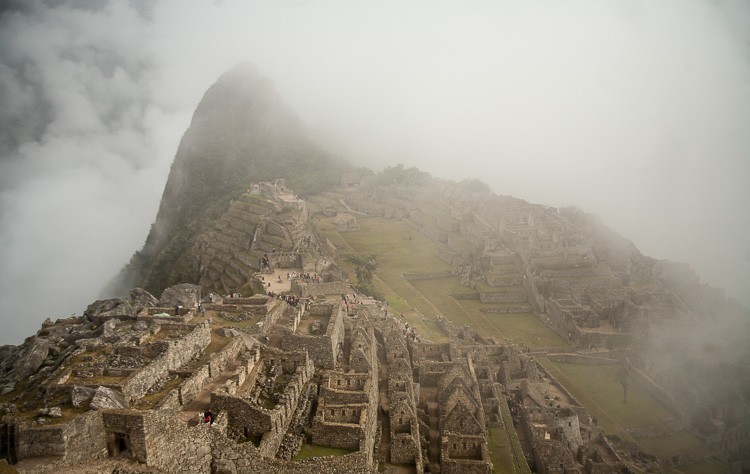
506 453
313 451
523 328
395 256
704 467
670 445
385 239
598 389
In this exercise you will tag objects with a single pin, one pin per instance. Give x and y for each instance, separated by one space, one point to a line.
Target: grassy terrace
712 465
598 389
395 256
505 449
151 400
217 343
315 451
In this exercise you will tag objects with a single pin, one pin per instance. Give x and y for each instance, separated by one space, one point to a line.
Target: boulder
54 412
229 332
109 327
140 326
111 308
184 294
107 398
81 396
31 358
142 299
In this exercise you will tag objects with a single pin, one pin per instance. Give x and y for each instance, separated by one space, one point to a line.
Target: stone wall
346 388
245 458
655 390
464 454
190 388
78 440
130 425
323 349
305 290
37 441
246 418
337 433
218 361
85 438
582 359
425 276
518 296
173 447
497 280
284 259
177 354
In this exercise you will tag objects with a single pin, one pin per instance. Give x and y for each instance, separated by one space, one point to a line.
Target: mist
636 111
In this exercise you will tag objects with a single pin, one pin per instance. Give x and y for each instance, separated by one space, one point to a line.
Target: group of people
306 276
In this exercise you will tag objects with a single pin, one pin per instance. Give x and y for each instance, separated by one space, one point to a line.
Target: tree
365 268
622 377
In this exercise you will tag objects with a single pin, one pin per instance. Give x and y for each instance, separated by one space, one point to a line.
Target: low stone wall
337 435
465 296
582 359
218 361
190 388
37 441
503 297
521 308
447 256
497 280
320 289
425 276
245 458
171 401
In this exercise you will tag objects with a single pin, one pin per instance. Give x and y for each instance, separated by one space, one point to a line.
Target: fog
637 111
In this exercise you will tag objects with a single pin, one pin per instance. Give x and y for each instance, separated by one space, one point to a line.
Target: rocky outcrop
185 294
31 358
81 396
110 308
107 398
142 298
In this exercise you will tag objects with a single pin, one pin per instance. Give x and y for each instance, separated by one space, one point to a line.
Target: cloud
637 111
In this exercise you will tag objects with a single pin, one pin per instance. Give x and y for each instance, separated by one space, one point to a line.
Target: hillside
241 132
332 319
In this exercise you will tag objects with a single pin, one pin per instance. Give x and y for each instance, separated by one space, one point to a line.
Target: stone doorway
119 445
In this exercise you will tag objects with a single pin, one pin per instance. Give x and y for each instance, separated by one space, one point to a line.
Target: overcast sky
638 111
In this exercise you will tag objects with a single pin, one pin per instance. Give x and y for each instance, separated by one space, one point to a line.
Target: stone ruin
589 285
120 389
